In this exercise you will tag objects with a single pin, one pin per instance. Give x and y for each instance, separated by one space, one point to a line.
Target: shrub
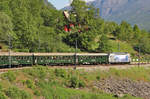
30 84
15 93
38 71
10 76
81 84
37 93
98 77
1 87
25 95
74 82
2 96
60 73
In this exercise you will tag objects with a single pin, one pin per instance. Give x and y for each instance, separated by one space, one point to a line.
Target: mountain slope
133 11
49 4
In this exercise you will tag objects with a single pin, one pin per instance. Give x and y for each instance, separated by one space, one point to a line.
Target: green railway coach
4 60
54 58
93 58
17 59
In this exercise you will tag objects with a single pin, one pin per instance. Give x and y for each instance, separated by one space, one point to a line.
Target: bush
37 93
10 76
1 87
30 84
2 96
60 73
24 95
98 77
15 93
38 71
81 84
74 82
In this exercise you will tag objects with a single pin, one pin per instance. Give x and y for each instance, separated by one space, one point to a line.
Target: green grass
124 46
63 84
134 73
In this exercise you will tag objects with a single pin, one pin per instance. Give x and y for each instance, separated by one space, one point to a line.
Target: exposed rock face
49 4
133 11
108 7
125 86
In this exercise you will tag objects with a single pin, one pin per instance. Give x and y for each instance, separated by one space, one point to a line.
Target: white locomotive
119 58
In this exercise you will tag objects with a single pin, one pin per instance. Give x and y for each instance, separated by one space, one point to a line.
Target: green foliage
30 84
1 87
121 46
60 73
54 87
39 72
74 82
36 26
5 27
144 44
15 93
37 93
11 76
81 84
104 45
2 96
98 77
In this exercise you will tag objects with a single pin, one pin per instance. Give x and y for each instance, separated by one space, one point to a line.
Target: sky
59 4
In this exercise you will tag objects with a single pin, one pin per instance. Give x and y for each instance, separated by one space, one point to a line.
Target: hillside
42 82
132 11
36 26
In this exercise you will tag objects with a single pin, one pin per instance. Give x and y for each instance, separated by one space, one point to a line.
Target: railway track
88 67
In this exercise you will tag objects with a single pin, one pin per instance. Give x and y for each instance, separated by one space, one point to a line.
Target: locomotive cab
119 58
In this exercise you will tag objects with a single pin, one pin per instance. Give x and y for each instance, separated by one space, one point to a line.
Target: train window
49 57
64 57
27 57
20 58
67 57
54 57
24 58
36 58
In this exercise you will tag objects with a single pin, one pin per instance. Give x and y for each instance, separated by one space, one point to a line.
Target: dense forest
36 26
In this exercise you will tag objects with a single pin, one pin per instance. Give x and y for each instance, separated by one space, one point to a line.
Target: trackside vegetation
42 82
36 26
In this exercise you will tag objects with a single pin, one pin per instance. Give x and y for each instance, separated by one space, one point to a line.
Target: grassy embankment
41 82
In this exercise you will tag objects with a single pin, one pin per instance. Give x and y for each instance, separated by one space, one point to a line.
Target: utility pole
139 57
118 46
75 66
9 37
38 34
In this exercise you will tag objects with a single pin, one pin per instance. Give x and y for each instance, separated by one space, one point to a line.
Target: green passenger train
20 59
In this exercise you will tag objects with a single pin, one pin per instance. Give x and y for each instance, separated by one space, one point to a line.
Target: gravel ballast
120 87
